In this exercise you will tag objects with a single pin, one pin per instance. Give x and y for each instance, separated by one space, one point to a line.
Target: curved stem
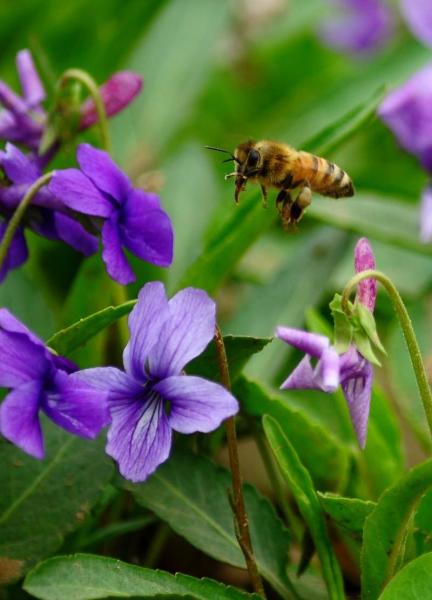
19 213
407 328
236 496
88 82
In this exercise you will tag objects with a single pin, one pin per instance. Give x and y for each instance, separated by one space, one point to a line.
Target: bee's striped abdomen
325 177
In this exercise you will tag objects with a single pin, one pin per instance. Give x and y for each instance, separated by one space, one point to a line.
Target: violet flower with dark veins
407 111
350 370
361 26
42 381
153 396
46 215
133 218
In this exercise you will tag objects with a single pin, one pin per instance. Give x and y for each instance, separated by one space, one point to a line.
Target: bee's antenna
225 151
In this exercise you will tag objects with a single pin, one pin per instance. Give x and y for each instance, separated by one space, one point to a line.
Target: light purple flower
418 14
363 25
46 215
41 381
407 111
23 119
133 218
153 396
117 93
329 370
364 259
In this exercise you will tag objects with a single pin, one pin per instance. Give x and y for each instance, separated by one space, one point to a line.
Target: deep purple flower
23 119
407 111
117 93
363 26
42 381
153 396
133 218
418 14
350 369
46 215
17 253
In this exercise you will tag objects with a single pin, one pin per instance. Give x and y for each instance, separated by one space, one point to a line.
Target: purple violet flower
364 26
42 381
133 218
153 396
407 111
351 370
418 15
46 215
23 119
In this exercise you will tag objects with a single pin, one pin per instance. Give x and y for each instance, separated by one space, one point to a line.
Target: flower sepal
359 328
64 118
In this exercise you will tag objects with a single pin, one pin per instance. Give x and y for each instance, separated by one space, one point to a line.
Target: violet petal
110 379
418 15
17 166
113 255
19 420
147 233
73 233
328 370
139 437
196 404
78 192
21 360
145 323
357 391
75 406
185 334
303 377
98 166
309 343
31 84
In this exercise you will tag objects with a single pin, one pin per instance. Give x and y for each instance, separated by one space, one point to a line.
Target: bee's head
248 158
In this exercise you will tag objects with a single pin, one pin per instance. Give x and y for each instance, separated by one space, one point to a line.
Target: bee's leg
302 201
264 195
283 205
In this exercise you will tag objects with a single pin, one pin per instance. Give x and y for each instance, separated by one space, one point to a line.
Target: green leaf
71 338
349 513
41 501
179 494
413 582
385 529
301 486
87 577
239 350
326 459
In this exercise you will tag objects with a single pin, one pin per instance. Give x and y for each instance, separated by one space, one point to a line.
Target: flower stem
19 213
88 82
236 495
407 328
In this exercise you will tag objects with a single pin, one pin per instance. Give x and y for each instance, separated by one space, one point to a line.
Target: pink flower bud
364 259
117 93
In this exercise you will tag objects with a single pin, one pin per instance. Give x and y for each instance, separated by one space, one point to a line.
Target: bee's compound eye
253 158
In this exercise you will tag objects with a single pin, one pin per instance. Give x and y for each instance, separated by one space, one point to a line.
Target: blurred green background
219 72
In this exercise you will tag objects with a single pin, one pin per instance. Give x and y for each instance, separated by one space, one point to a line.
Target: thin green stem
407 328
88 82
236 497
19 213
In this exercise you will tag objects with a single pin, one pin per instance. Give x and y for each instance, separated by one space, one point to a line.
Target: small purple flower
23 118
418 14
351 370
407 111
363 26
117 93
42 381
133 218
153 396
46 215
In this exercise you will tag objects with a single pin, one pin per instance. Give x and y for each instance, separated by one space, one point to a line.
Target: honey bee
295 173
